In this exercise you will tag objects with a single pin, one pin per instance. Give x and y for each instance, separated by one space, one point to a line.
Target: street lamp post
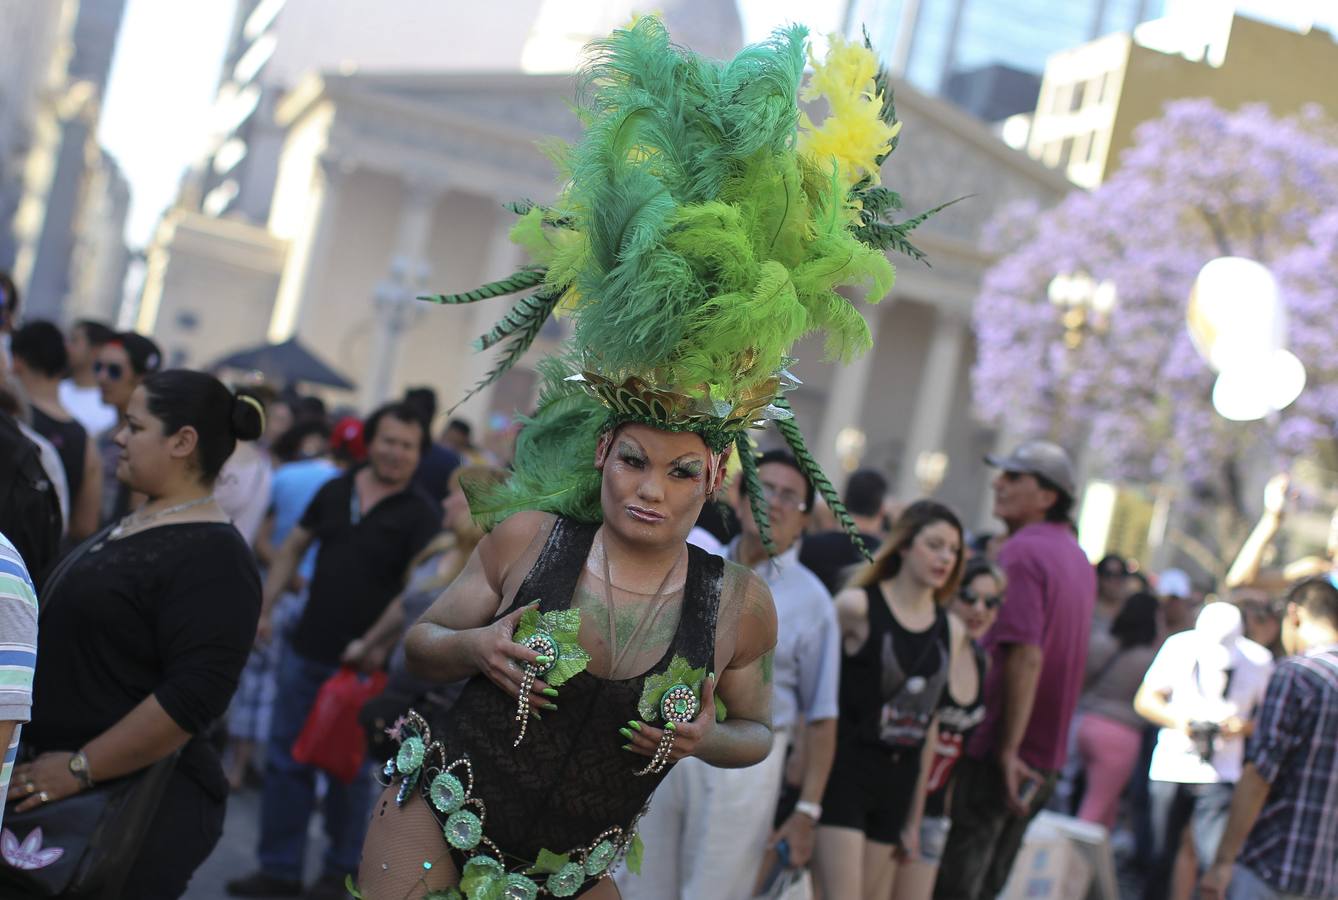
397 311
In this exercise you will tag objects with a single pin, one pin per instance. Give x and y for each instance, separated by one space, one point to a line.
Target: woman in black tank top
976 606
897 644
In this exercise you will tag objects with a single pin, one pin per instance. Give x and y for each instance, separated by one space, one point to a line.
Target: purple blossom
1199 183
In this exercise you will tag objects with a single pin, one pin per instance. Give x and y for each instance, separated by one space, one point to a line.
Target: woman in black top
897 644
976 606
146 631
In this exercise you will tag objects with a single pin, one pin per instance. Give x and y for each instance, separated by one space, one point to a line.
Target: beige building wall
1093 97
209 287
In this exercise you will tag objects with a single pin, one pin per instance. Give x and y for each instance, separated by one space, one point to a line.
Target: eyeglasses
114 370
783 497
991 601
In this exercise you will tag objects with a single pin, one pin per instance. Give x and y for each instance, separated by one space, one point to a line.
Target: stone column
933 400
503 258
308 252
845 400
397 308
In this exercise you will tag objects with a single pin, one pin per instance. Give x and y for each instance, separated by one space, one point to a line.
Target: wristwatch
79 769
810 809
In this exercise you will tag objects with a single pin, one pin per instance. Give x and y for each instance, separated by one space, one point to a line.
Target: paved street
235 854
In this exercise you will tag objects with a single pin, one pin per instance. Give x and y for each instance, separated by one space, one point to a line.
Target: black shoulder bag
85 844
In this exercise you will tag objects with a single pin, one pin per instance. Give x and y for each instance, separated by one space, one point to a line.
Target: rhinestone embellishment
566 881
542 643
447 793
518 887
463 830
599 858
679 704
410 757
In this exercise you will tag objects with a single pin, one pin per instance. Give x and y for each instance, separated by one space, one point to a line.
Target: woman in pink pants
1110 733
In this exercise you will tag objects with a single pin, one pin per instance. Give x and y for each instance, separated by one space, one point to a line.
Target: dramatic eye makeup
631 454
687 468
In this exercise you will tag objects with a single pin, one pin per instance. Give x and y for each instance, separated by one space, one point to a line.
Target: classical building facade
392 186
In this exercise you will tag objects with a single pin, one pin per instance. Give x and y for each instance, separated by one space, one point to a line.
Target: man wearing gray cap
1038 652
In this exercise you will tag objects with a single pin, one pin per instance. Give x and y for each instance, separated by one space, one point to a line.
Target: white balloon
1286 379
1235 316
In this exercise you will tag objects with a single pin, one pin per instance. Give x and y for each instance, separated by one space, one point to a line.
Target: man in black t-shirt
832 554
370 523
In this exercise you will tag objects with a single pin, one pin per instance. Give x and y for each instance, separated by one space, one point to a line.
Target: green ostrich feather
554 460
813 472
752 486
518 281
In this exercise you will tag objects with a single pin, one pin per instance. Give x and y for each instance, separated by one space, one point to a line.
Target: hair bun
248 417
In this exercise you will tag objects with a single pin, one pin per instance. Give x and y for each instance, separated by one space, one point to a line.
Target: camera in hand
1203 734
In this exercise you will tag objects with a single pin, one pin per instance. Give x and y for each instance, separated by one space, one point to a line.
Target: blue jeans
1245 885
290 787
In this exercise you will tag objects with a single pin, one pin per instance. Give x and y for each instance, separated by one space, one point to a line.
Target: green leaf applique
680 671
549 862
564 627
634 854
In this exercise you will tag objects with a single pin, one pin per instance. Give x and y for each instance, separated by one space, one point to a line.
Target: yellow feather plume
852 134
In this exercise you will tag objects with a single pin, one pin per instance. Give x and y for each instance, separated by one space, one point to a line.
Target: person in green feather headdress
703 228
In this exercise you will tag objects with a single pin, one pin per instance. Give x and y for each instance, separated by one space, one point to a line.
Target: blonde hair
913 519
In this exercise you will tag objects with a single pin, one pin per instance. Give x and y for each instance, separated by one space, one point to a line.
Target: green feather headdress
704 227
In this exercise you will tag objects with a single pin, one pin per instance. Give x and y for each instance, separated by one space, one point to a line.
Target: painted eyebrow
687 460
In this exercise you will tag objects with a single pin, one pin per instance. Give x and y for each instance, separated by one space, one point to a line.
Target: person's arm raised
457 638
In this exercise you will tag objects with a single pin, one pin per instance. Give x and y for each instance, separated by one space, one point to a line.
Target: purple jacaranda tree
1133 396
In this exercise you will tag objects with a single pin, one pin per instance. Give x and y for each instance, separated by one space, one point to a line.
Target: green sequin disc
598 859
484 861
447 793
566 880
410 756
463 830
542 642
518 887
679 704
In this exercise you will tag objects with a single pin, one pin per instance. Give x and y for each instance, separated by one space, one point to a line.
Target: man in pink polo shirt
1038 653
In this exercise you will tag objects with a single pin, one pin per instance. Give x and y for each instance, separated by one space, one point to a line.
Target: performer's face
654 483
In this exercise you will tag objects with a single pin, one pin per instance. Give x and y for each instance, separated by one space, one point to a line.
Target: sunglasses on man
991 601
114 370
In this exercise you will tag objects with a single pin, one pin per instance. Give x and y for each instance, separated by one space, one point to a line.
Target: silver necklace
134 520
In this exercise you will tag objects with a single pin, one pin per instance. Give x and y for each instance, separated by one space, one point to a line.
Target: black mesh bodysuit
569 786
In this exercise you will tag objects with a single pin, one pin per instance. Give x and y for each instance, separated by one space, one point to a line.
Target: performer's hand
499 658
643 739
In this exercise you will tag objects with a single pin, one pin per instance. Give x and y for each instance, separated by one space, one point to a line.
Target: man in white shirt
708 827
1202 689
79 393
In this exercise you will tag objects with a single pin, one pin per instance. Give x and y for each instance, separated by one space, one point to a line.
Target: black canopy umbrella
285 363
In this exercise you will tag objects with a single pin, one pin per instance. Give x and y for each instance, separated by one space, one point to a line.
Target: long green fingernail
535 713
670 726
627 746
549 692
543 660
634 724
625 733
551 706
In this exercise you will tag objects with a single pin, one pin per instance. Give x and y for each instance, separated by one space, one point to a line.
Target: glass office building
988 55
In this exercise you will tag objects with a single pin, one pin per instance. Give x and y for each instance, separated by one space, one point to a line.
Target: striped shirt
18 649
1293 846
